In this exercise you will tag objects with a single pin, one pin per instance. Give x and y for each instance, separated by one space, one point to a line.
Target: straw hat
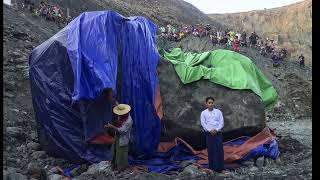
121 109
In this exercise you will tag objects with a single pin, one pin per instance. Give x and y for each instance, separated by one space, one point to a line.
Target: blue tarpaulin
269 150
162 162
69 71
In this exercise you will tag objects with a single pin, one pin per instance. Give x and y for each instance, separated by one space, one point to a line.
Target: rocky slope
290 26
161 12
24 159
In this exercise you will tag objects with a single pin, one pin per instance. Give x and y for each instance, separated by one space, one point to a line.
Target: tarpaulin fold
140 59
223 67
237 150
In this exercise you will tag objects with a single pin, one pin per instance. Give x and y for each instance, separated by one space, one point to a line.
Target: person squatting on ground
214 39
207 29
43 9
120 147
276 59
212 122
263 51
301 60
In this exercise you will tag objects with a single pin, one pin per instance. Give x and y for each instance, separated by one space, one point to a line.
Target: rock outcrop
290 26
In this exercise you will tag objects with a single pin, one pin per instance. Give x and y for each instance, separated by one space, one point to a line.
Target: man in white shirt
212 123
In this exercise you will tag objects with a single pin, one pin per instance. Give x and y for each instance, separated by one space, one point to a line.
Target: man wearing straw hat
120 146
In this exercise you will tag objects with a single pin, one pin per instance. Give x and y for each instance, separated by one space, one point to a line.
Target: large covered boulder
244 112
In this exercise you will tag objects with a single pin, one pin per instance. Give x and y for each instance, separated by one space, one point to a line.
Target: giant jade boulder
243 111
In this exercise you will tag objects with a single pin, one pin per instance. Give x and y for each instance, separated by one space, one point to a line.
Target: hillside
161 12
290 26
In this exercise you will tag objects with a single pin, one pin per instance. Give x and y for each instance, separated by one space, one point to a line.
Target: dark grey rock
33 146
278 161
17 176
21 148
252 169
7 94
192 171
16 132
26 74
268 161
220 176
20 35
259 162
148 176
248 162
15 110
10 85
21 61
5 174
36 171
13 162
38 154
34 136
12 170
277 75
33 168
28 46
53 170
99 168
15 54
55 177
184 164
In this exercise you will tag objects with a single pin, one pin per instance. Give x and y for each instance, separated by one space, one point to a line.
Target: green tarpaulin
223 67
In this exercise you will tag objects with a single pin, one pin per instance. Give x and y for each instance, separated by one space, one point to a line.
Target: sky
233 6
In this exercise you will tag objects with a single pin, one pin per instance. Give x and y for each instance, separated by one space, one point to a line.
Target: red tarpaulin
231 152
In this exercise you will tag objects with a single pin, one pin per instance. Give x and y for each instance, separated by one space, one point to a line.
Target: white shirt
212 120
239 35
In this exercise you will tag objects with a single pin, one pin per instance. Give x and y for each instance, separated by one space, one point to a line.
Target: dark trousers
215 151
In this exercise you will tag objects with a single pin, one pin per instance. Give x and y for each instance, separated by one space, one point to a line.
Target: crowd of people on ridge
231 39
49 12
